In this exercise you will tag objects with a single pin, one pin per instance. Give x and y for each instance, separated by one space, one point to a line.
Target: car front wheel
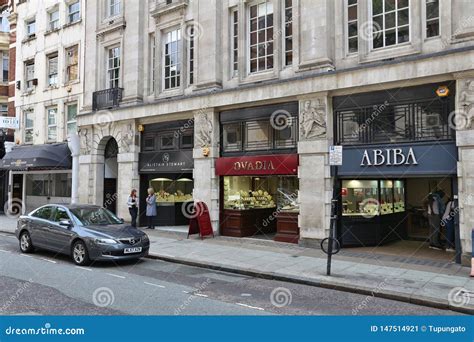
80 256
25 243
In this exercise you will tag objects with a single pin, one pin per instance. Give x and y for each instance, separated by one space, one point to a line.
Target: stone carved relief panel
203 128
313 119
465 113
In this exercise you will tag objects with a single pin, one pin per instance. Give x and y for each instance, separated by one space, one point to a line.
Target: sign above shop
281 164
402 160
389 157
173 161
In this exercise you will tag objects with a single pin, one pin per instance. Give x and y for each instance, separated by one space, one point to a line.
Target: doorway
111 175
417 191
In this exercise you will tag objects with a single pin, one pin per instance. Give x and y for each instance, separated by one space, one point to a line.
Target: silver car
84 232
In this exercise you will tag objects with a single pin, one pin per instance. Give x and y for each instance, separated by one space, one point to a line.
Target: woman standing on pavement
132 207
151 208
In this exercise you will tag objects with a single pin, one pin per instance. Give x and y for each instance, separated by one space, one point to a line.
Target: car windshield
95 216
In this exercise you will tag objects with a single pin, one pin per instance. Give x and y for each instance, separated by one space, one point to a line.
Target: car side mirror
122 220
65 223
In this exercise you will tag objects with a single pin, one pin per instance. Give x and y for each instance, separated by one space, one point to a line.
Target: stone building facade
155 62
49 68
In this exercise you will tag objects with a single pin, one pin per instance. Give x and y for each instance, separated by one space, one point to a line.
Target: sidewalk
382 276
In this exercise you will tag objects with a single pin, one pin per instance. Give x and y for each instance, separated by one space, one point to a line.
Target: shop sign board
173 161
281 164
400 160
335 155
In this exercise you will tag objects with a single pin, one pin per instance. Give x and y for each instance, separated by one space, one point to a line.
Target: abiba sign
401 160
389 157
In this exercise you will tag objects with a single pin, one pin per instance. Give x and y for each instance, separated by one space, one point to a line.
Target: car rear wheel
25 243
80 256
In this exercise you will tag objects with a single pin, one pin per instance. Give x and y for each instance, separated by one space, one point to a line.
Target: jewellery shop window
370 198
169 191
247 193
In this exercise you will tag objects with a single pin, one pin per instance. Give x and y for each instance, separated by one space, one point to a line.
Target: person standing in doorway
133 207
448 222
151 208
434 220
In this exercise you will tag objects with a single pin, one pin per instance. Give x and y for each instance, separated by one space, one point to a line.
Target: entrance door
111 175
110 194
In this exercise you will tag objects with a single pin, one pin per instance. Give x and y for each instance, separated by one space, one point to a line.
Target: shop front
398 148
166 165
259 187
39 175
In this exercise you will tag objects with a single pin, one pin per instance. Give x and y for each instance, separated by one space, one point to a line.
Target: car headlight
105 241
145 238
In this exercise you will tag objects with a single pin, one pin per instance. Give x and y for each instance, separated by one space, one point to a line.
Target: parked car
84 232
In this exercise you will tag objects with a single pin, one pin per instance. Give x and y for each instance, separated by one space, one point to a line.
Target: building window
172 65
391 22
71 119
74 12
113 67
191 54
53 70
54 19
4 23
5 65
31 28
235 41
3 109
72 63
288 30
29 126
52 123
261 37
432 18
352 27
30 75
114 8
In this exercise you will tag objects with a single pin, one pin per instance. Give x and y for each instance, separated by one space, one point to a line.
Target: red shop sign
280 164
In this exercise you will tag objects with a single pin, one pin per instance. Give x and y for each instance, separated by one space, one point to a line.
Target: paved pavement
448 287
44 283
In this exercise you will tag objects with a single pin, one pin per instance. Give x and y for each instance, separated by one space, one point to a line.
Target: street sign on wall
9 122
335 155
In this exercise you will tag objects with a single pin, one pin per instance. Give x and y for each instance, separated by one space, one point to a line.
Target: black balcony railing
106 99
395 123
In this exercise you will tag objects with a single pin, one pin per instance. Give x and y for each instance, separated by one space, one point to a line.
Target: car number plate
133 250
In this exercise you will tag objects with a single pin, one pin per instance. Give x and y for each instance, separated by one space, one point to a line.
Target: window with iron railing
395 123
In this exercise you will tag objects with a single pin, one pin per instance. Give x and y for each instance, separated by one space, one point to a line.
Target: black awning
38 157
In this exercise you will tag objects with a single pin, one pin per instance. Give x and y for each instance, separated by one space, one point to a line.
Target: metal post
333 225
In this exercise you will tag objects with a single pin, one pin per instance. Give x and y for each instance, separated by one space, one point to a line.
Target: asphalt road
46 284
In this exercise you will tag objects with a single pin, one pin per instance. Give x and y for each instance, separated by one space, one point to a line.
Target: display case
169 191
373 212
256 205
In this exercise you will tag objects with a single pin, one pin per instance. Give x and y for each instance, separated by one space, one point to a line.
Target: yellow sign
442 91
